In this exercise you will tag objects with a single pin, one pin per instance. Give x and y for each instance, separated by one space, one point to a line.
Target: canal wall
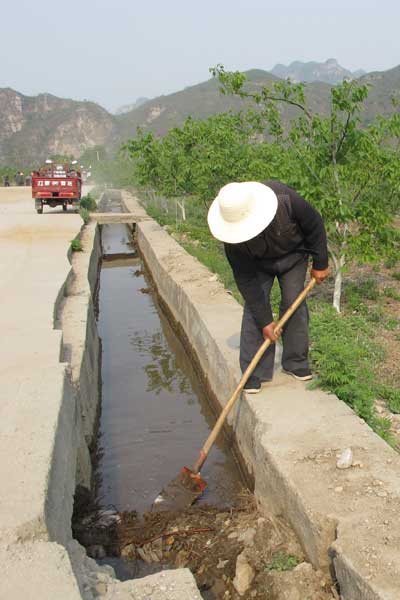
289 436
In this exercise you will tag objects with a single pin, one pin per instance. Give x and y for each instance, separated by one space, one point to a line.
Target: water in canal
154 413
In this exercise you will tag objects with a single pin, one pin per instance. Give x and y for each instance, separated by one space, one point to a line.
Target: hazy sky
113 51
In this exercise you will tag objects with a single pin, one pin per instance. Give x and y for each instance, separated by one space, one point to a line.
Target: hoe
182 491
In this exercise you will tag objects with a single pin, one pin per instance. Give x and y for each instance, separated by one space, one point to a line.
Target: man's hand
269 333
319 276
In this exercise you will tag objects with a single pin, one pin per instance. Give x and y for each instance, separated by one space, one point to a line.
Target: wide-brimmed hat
241 211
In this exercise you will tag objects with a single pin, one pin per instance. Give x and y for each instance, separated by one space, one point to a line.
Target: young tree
350 173
201 156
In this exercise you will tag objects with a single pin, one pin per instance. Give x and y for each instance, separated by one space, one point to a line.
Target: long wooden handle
229 405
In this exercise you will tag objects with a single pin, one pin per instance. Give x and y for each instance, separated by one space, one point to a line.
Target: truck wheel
64 207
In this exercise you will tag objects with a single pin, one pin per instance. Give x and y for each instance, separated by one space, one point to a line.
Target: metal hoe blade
181 492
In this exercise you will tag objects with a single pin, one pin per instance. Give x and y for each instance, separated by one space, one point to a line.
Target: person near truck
270 231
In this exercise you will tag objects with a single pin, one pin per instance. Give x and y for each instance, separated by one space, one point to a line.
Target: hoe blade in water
181 492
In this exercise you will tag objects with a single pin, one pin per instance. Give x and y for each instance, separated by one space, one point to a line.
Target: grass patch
391 396
76 245
356 293
281 561
88 203
390 292
85 215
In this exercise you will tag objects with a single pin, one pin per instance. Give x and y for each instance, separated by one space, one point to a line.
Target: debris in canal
221 547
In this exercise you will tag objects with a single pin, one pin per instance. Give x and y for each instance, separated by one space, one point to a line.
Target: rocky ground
233 553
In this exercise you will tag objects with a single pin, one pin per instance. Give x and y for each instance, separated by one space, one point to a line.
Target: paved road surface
33 268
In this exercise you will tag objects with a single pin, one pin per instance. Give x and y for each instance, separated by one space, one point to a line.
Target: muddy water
154 415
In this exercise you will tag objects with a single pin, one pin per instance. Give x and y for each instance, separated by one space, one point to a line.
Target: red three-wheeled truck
56 184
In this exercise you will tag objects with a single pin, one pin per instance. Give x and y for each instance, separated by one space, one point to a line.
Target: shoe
300 374
252 385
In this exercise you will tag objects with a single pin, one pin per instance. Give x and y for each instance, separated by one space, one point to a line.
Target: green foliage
76 245
281 561
356 294
392 397
396 275
351 174
382 427
202 156
344 355
85 215
390 292
88 203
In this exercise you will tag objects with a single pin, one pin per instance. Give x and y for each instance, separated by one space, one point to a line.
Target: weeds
342 353
85 215
88 202
76 245
391 396
281 561
356 294
390 292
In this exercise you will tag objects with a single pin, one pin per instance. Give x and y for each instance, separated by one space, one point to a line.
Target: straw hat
241 211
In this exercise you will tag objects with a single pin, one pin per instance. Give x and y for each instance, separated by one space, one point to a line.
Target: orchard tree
351 174
202 156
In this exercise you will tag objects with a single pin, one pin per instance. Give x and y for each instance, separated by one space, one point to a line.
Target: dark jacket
297 230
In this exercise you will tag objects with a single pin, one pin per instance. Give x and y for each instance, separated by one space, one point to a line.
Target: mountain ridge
308 72
34 127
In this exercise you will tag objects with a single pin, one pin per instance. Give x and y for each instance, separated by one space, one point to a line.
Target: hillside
383 86
201 101
204 99
31 128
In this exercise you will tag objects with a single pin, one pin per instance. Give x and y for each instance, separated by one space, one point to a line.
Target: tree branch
343 133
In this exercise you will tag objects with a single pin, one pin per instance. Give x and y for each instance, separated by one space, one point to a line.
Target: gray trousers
295 333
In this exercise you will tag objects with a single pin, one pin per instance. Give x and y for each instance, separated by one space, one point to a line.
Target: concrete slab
290 436
37 570
167 585
103 218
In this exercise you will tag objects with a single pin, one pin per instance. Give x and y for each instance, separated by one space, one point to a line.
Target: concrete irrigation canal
83 461
154 413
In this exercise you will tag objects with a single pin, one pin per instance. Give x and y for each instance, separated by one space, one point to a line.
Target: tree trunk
337 293
182 207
